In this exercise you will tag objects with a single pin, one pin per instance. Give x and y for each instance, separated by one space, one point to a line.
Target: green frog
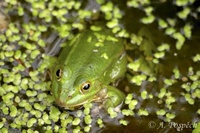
87 70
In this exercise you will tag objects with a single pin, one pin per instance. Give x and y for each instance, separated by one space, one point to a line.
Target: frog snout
70 96
63 98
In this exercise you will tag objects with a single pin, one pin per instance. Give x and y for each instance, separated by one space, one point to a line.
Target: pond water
161 39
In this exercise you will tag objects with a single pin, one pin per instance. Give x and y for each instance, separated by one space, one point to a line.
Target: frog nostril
59 91
69 96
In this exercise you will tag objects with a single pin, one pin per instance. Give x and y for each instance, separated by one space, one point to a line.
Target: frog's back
92 53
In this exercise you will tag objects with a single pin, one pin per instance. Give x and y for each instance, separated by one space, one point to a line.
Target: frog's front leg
114 97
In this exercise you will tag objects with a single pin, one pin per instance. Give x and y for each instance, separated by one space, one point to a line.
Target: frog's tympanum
87 68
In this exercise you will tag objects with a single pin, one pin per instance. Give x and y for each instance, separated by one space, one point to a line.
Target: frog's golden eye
58 74
85 87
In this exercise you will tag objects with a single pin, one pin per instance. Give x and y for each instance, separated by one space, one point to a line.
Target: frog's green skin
86 68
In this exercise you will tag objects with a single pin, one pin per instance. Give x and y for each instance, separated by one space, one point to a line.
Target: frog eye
85 87
58 74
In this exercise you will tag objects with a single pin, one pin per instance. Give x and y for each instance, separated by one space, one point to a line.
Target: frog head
73 90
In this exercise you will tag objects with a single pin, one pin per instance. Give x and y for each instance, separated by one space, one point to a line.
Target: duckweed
134 65
105 56
138 79
113 23
79 113
144 94
77 130
31 122
54 114
64 123
4 130
39 106
143 112
112 112
76 121
86 111
127 112
197 128
187 30
147 20
123 33
196 58
189 99
184 13
84 14
64 115
170 100
24 89
88 119
170 116
123 122
162 23
87 128
162 93
161 112
198 111
170 31
159 55
45 118
78 26
13 111
169 81
107 7
7 98
100 122
128 98
132 104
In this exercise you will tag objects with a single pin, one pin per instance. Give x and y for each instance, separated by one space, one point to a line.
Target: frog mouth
68 106
99 97
96 99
